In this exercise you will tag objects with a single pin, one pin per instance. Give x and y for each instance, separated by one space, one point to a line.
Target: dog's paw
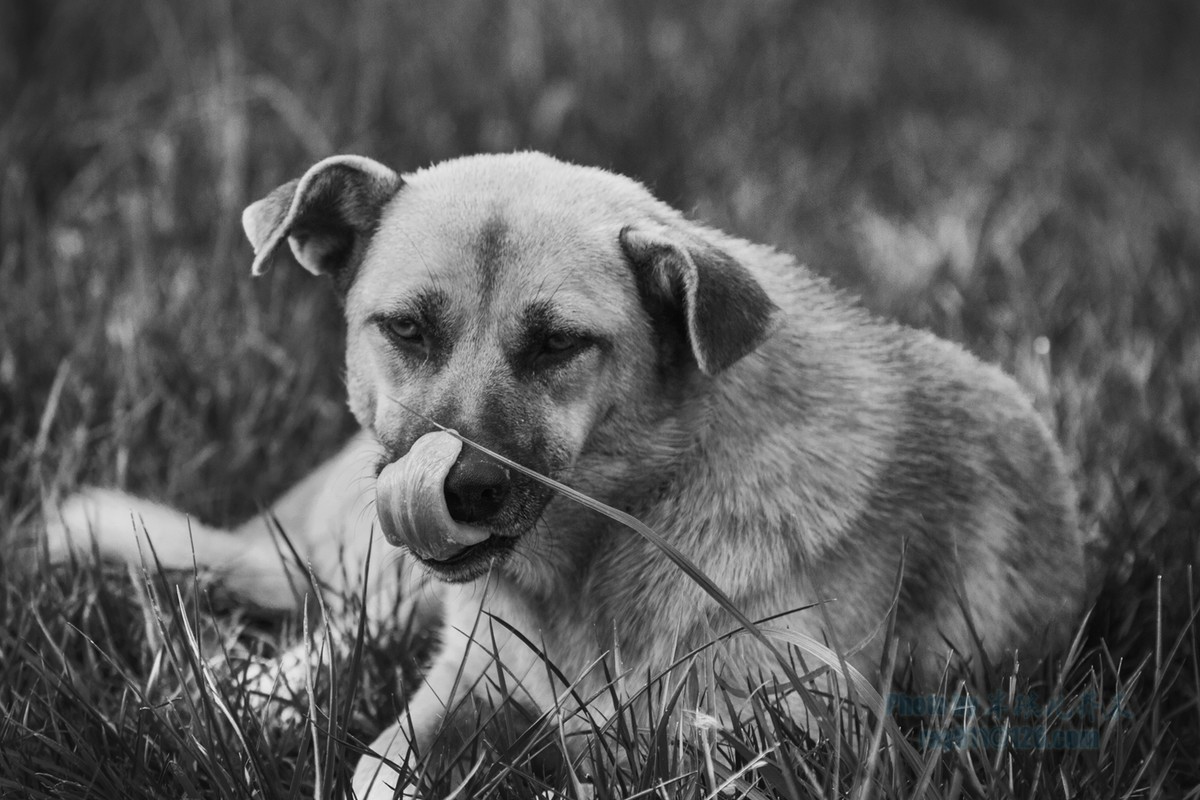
70 525
279 687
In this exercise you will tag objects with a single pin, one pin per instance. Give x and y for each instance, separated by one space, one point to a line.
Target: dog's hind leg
326 522
252 564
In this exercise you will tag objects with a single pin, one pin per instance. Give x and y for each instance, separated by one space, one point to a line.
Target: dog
795 447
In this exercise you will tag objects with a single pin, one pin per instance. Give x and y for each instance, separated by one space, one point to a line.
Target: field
1021 177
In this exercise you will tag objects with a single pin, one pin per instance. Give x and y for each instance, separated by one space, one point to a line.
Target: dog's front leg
449 688
460 692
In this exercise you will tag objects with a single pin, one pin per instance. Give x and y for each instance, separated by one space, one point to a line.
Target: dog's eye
403 329
557 342
560 343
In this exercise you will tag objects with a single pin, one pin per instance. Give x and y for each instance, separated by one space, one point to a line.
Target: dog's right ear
324 215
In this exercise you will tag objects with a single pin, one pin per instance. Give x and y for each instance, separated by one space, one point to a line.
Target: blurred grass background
1023 177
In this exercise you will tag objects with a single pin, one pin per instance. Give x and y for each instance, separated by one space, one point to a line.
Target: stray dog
793 446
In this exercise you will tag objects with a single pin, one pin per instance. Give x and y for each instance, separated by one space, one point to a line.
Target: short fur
789 443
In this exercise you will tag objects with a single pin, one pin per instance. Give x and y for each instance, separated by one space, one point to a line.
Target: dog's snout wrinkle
476 488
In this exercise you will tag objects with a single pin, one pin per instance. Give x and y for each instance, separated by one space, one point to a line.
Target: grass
1020 178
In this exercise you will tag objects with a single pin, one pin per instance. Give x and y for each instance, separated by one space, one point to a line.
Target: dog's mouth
473 560
420 511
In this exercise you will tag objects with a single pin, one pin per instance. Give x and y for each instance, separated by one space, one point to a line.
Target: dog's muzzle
428 500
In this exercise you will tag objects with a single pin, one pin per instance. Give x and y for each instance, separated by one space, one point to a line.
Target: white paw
69 526
374 780
281 685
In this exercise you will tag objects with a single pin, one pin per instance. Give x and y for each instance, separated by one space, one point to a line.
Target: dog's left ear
323 215
727 313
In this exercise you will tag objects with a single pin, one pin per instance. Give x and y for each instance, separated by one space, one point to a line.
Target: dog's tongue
411 501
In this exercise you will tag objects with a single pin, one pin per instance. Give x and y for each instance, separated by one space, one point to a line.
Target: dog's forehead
514 230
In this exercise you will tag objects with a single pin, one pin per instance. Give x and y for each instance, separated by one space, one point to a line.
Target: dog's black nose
475 488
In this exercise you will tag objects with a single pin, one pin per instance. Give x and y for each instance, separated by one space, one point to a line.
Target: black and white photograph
614 400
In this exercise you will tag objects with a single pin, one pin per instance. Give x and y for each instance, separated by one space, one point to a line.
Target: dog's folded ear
725 311
324 215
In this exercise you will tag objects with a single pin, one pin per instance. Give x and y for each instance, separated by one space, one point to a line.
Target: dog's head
540 309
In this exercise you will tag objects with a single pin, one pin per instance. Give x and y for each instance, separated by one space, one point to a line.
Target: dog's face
539 309
488 311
